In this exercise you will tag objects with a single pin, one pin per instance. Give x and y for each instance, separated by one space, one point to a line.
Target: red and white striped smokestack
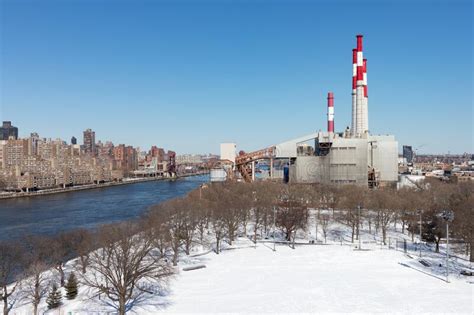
365 78
359 42
330 112
354 68
354 87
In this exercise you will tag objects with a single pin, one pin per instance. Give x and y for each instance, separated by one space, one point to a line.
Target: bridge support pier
271 168
253 171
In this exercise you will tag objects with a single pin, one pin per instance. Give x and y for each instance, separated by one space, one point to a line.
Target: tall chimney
359 42
354 87
330 112
361 101
365 78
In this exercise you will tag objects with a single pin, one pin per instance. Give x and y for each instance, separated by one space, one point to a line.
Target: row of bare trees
119 262
232 208
126 262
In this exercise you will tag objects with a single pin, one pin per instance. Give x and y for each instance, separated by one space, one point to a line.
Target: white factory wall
288 148
228 151
385 157
348 161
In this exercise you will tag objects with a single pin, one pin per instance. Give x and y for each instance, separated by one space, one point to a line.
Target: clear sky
187 75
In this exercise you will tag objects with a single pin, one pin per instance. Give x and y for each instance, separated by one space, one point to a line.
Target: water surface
51 214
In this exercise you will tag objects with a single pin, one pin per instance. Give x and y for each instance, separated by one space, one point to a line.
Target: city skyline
189 76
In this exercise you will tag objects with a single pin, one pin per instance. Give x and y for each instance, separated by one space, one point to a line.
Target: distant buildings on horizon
40 163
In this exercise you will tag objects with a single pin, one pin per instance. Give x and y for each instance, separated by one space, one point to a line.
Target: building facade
8 131
89 142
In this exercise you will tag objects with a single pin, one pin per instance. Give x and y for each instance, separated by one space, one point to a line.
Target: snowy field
314 279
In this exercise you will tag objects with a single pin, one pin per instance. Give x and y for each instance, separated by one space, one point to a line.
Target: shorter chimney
330 112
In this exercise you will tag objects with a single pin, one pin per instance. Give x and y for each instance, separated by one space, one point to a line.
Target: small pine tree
71 286
54 297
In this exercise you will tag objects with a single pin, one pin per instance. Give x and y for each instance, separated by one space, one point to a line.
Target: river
55 213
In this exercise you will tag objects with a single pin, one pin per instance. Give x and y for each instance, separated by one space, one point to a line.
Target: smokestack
354 87
359 42
365 78
361 124
330 112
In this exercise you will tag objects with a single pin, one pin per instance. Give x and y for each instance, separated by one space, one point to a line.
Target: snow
323 279
319 278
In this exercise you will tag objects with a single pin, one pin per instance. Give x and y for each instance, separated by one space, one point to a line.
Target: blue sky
188 75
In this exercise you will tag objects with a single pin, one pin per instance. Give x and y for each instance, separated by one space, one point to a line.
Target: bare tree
38 259
83 245
218 226
383 201
35 286
188 224
124 267
11 258
352 197
159 233
202 214
325 220
174 222
292 212
59 250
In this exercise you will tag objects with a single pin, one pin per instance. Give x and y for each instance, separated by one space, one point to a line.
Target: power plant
352 156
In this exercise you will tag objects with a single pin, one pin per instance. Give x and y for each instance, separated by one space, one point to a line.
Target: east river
55 213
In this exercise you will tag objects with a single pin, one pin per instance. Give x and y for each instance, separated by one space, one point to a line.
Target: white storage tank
218 175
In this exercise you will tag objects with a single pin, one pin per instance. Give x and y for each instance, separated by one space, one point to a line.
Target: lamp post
316 223
274 227
358 226
420 212
448 216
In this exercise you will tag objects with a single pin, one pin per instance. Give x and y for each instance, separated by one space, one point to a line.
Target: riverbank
126 181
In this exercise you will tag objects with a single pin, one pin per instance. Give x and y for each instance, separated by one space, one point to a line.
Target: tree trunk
217 245
59 267
437 245
5 301
353 232
83 259
357 227
121 309
36 295
471 247
384 235
175 256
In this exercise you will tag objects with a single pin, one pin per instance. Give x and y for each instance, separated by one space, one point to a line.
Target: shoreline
93 186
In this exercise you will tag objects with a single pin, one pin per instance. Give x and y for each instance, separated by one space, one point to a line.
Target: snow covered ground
320 278
314 279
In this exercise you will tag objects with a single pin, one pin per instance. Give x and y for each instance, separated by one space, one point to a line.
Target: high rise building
8 131
73 140
408 153
89 142
33 141
126 158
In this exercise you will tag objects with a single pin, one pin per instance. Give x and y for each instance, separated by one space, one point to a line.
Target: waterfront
54 213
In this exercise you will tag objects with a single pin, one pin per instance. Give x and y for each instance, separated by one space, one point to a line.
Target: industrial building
352 156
